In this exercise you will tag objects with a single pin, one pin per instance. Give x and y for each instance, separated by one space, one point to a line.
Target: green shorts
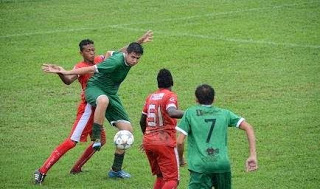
115 111
209 180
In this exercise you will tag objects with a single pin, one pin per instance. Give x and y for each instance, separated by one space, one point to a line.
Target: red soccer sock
171 184
159 183
56 155
83 159
87 154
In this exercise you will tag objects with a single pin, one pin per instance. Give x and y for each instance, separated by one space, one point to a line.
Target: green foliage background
262 57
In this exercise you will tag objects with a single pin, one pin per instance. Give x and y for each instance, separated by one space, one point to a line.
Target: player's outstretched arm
48 68
66 79
252 162
146 37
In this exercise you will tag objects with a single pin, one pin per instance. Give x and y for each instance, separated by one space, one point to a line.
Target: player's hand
147 37
52 68
251 164
96 145
182 162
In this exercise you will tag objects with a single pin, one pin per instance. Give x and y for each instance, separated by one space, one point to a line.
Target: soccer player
101 93
158 122
83 124
206 127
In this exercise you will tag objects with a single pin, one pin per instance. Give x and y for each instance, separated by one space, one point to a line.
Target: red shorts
82 126
163 161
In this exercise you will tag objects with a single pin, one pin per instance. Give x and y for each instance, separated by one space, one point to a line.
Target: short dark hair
85 42
164 78
205 94
135 47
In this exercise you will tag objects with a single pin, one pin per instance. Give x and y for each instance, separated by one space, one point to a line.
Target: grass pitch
262 57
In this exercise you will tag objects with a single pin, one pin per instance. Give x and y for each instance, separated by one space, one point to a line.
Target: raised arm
146 37
252 162
48 68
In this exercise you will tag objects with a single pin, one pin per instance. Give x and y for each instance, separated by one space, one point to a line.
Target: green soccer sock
96 132
117 162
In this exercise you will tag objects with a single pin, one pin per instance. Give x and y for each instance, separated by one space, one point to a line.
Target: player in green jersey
101 92
206 128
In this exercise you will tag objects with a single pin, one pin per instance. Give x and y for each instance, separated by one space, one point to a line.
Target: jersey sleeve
184 124
234 120
172 101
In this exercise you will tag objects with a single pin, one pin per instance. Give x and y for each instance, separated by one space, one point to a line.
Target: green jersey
206 128
110 73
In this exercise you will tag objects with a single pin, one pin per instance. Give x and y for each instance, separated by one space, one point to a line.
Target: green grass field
262 57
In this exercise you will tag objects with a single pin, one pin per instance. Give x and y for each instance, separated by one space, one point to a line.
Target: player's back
160 126
207 143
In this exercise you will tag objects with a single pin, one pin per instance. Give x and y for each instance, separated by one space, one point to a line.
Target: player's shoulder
117 58
206 108
116 55
98 59
225 110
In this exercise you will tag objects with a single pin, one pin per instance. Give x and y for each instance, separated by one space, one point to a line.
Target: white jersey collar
124 56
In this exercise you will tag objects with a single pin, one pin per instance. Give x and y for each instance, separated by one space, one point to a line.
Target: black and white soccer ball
123 139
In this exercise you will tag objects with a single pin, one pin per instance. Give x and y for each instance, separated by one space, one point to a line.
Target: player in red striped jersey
158 122
83 124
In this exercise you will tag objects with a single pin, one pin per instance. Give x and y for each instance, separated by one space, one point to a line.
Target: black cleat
38 177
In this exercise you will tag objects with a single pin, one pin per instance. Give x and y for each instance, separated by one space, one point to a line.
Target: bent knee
102 100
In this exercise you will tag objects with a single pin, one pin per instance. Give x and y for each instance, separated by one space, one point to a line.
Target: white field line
222 13
221 38
124 26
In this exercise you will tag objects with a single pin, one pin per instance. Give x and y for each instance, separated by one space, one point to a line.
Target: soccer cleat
118 174
38 177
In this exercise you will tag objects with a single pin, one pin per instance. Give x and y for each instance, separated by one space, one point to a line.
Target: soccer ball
123 139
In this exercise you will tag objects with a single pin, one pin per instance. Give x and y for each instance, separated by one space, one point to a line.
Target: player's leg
81 134
87 154
96 97
56 154
221 180
116 169
99 114
158 184
118 117
168 161
153 162
83 116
